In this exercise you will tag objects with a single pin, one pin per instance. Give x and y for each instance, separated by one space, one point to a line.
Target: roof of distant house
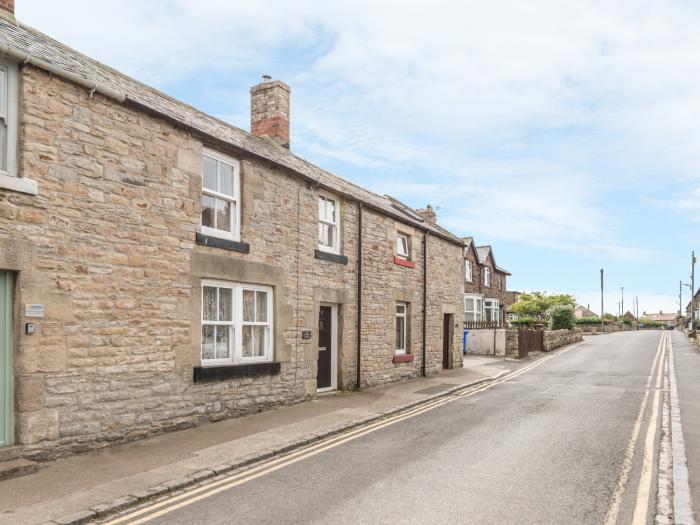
26 42
661 316
585 312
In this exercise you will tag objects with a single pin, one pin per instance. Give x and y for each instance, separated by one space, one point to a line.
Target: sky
563 133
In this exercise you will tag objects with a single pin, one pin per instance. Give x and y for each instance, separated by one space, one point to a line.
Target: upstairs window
401 332
487 277
220 196
468 270
402 245
8 117
328 224
500 282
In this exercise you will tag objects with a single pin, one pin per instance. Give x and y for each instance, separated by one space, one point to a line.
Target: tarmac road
545 446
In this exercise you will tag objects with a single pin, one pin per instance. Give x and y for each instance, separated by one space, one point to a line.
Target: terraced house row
160 268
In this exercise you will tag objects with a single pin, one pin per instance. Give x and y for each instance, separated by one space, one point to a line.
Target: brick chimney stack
428 213
7 9
269 110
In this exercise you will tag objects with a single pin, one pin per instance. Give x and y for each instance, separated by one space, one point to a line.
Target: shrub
562 317
524 322
588 320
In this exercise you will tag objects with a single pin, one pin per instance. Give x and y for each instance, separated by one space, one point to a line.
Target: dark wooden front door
446 340
323 376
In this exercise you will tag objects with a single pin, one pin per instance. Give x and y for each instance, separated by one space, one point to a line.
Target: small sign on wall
34 310
306 334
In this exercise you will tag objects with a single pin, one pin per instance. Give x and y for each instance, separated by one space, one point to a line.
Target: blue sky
563 133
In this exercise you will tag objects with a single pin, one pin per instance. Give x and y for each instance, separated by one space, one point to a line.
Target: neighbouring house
584 311
485 295
160 268
629 316
688 307
510 298
667 319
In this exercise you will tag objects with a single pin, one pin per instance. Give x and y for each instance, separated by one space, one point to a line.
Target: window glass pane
259 335
209 174
261 307
323 234
321 208
331 236
469 316
400 333
248 306
223 346
209 299
208 346
208 211
226 179
402 245
3 92
400 308
330 210
3 146
223 215
225 304
247 349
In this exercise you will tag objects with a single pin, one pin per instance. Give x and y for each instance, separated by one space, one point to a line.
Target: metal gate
529 341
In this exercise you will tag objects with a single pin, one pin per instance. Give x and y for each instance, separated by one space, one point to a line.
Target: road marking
161 508
641 506
614 510
682 504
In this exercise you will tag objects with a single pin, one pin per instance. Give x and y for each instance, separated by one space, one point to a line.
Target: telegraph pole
622 304
692 291
602 303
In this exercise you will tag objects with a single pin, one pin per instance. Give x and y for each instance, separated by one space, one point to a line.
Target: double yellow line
643 490
194 495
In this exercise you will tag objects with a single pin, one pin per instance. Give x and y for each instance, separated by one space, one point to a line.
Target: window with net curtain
236 323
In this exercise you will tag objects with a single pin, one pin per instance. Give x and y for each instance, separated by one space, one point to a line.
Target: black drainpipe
359 293
425 297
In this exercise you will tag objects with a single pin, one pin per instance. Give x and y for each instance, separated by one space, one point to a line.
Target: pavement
687 368
65 490
570 438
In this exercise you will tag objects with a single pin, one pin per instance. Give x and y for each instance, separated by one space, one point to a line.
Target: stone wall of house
512 341
108 247
554 339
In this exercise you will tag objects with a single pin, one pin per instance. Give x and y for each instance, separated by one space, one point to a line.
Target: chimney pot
269 110
7 9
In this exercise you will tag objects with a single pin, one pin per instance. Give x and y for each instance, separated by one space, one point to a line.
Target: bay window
220 196
328 224
236 323
491 313
472 308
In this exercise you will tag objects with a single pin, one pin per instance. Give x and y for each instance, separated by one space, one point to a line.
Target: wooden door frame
6 412
447 339
334 347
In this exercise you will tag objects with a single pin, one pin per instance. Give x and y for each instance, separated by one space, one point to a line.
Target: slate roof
25 40
661 316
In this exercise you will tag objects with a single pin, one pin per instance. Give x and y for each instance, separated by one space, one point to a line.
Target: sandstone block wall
108 246
554 339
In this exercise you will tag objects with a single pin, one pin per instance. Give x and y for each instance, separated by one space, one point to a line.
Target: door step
10 453
16 468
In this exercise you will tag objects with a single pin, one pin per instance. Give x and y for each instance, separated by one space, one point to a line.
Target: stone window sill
206 374
332 257
403 358
19 184
224 244
404 262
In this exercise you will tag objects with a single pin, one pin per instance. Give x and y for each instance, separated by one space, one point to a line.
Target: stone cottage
160 268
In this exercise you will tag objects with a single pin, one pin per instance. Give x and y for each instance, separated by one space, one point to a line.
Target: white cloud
482 99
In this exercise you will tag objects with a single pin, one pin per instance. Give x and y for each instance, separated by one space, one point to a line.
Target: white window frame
404 254
235 233
10 177
401 316
335 224
476 306
237 323
468 271
494 306
487 276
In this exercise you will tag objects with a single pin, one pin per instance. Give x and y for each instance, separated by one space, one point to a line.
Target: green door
5 359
